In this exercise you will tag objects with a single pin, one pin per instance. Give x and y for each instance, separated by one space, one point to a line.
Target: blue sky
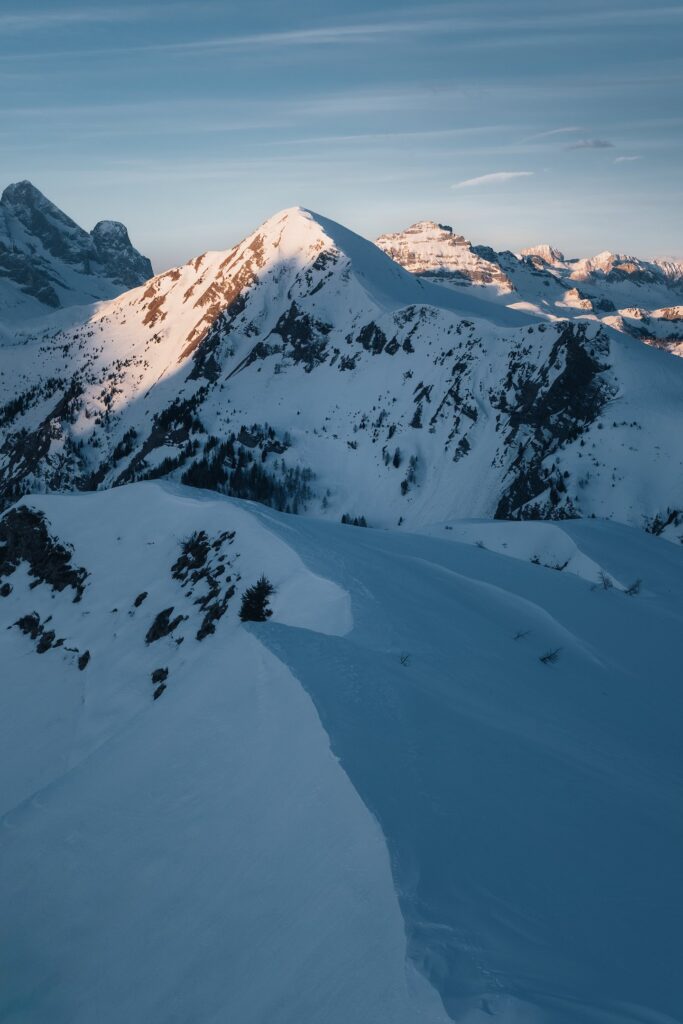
193 122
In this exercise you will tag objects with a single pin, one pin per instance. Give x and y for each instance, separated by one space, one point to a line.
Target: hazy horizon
515 127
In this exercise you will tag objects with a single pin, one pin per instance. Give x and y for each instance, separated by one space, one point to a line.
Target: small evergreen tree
255 601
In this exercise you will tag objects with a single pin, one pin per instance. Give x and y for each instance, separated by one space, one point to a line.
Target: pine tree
255 601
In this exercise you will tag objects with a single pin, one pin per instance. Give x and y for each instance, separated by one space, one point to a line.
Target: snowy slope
306 369
480 827
200 856
532 810
607 287
48 262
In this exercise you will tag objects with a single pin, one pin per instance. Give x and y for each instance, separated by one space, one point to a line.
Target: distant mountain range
307 369
643 298
47 261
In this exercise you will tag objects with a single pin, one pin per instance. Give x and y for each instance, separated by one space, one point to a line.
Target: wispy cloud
361 32
591 144
55 17
470 28
492 179
553 131
28 21
625 159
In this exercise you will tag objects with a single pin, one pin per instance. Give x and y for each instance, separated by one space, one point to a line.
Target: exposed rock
163 625
546 252
52 262
434 250
25 538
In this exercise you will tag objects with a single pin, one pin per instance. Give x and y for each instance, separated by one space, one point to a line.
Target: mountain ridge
48 262
306 368
607 287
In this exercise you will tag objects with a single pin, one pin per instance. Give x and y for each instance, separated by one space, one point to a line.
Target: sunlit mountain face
341 553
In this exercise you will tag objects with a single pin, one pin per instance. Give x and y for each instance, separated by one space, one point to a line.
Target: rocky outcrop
24 538
47 261
434 250
548 253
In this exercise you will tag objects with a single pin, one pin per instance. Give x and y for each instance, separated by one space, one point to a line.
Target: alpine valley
438 776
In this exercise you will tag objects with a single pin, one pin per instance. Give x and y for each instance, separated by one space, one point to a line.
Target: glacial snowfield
380 805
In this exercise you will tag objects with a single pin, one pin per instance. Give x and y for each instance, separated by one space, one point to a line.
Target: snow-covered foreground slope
497 829
197 857
306 369
641 298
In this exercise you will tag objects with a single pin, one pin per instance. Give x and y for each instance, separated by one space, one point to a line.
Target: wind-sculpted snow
515 729
307 370
543 544
184 849
489 820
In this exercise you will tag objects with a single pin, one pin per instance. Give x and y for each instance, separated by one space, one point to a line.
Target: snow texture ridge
172 807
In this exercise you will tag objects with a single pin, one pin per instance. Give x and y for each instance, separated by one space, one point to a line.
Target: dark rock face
163 625
47 255
551 411
120 260
27 274
305 337
203 567
25 538
59 235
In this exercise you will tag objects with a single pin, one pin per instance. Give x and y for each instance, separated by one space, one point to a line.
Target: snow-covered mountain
439 778
608 287
435 251
306 369
440 782
47 261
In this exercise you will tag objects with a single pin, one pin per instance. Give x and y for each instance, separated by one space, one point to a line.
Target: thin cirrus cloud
553 132
625 159
497 178
591 144
360 32
27 21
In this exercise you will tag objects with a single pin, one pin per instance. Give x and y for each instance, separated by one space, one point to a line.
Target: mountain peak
548 253
431 249
48 261
28 204
22 192
293 225
309 238
424 232
117 255
112 231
